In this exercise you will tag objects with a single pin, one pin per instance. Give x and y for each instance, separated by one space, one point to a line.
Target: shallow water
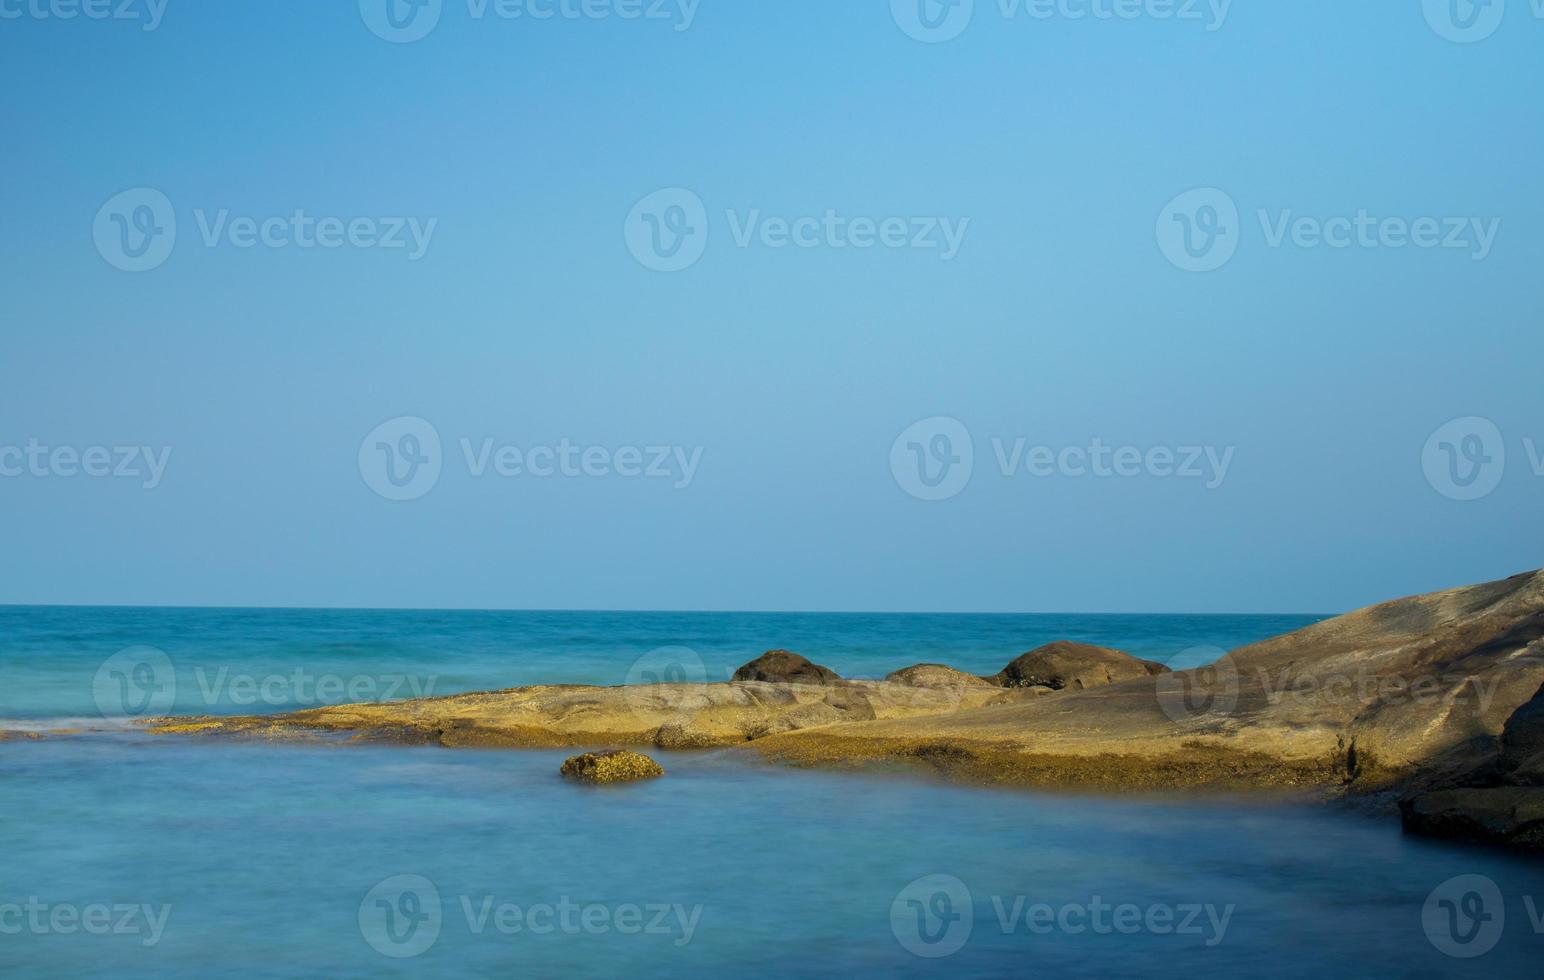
332 859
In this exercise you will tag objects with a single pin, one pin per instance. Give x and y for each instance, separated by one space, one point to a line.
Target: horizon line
215 607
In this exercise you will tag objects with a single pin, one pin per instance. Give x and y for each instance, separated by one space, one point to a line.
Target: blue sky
1053 145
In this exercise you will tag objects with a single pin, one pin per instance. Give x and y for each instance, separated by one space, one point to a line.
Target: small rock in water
616 766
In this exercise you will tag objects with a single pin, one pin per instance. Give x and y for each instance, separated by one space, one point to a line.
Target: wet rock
785 667
936 676
1510 815
617 766
1065 665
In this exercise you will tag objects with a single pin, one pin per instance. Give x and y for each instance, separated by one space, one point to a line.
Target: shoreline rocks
1508 815
1432 694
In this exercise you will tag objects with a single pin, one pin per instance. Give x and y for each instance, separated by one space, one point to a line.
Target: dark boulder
1065 665
785 667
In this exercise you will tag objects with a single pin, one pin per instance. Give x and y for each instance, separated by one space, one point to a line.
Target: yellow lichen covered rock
617 766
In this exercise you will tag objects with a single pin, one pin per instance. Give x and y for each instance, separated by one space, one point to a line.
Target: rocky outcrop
1509 815
1432 694
1505 804
1522 744
675 716
616 766
785 667
936 676
1407 695
1077 666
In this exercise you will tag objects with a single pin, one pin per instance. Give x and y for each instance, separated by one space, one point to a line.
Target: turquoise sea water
128 855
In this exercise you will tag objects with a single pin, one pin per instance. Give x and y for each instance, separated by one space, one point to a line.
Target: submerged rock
785 667
936 676
616 766
1077 666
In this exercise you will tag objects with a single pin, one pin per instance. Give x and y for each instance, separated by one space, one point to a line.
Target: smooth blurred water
264 855
327 859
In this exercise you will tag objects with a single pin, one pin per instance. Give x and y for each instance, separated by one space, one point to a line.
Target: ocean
133 855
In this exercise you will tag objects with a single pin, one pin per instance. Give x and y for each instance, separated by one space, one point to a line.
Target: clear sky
1052 146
